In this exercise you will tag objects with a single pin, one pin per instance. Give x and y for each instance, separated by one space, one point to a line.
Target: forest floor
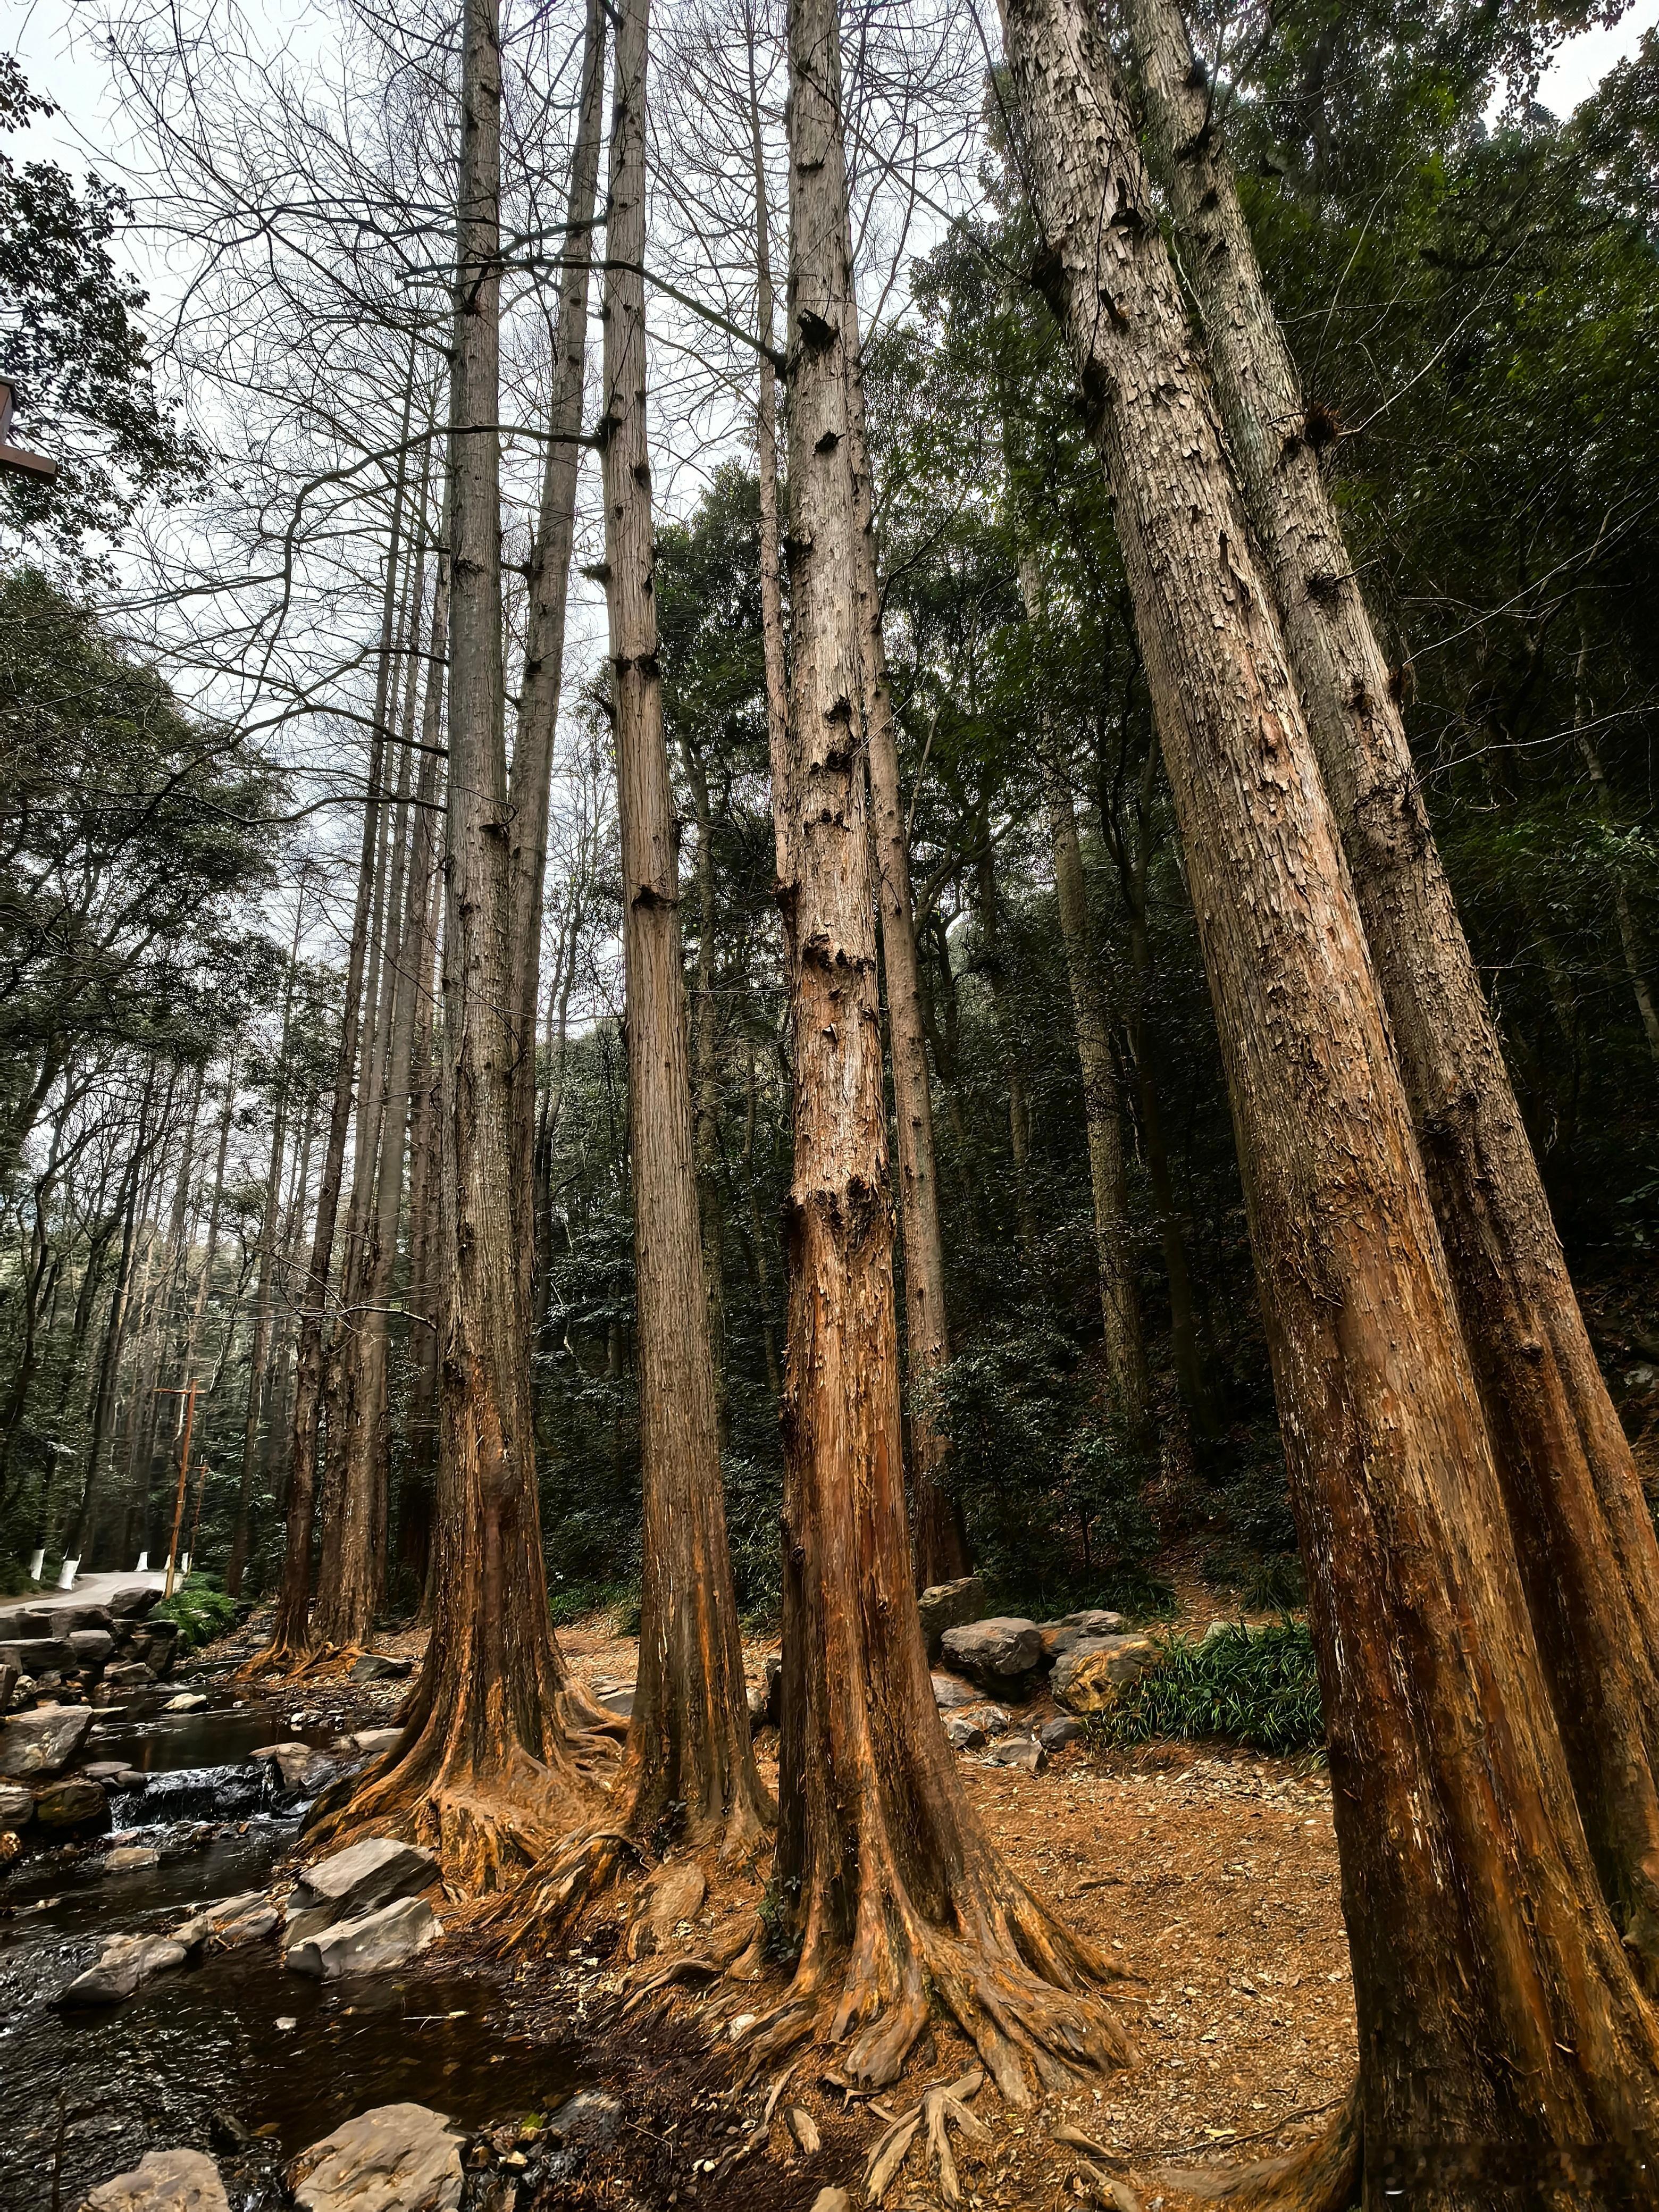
1210 1872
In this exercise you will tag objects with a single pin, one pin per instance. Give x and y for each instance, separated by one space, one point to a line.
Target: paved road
91 1590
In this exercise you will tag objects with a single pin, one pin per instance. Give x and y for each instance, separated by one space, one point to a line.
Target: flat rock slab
127 1858
951 1693
36 1655
381 1667
948 1605
128 1962
1095 1673
17 1805
396 2158
233 1921
1065 1728
128 1671
1018 1751
397 1932
21 1624
163 2181
43 1741
994 1653
375 1742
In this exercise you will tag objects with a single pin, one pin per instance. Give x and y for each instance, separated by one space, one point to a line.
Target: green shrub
1256 1686
200 1608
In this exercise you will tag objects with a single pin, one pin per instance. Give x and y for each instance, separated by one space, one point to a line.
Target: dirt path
1211 1875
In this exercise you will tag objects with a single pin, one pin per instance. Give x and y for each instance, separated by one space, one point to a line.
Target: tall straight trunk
1506 2048
279 1411
270 1213
291 1635
1103 1107
937 1527
109 1364
488 1771
542 679
705 1086
760 1234
1581 1527
884 1874
988 913
216 1208
688 1736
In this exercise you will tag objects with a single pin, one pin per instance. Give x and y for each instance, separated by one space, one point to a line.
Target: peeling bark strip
1581 1528
1501 2026
489 1770
689 1738
884 1874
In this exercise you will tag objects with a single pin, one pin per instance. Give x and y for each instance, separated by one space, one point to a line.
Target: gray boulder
162 2181
948 1605
1018 1751
36 1655
962 1732
355 1881
230 1923
23 1624
396 1932
133 1600
1094 1621
90 1647
620 1702
1094 1673
1064 1729
951 1693
996 1653
589 2118
71 1619
43 1741
127 1963
105 1770
381 1667
74 1802
375 1742
17 1805
9 1678
398 2158
129 1858
127 1673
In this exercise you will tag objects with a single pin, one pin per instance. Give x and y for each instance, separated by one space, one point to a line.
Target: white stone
163 2181
356 1882
127 1963
396 2158
187 1701
386 1938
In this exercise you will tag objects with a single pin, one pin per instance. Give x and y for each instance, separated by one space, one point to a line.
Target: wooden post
188 1394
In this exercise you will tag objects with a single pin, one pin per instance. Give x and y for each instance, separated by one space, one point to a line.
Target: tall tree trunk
688 1736
884 1874
1103 1109
109 1364
258 1378
550 581
1501 2026
989 915
937 1528
1630 940
487 1771
705 1086
1581 1528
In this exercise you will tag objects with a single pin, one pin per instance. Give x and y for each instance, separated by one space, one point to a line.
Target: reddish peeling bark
1508 2054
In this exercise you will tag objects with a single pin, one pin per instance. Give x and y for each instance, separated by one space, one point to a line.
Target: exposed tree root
488 1821
1014 1981
1323 2176
942 2107
278 1659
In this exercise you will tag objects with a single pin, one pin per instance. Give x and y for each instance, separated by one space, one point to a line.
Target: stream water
235 2043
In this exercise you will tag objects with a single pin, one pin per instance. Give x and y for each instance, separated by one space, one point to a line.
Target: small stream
235 2046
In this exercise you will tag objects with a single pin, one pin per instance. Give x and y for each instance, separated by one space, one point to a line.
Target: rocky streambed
166 1988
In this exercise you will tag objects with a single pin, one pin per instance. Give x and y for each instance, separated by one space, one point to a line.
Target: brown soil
1211 1874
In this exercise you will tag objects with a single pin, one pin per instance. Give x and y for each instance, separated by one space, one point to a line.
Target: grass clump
200 1608
1256 1686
